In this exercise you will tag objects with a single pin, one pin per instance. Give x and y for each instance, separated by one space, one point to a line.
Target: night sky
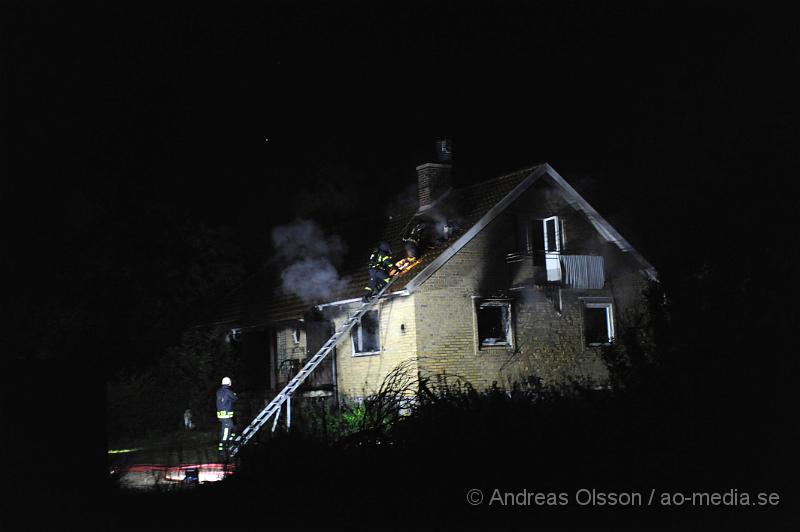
125 125
175 104
143 140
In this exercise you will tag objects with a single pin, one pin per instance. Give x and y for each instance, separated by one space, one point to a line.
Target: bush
153 400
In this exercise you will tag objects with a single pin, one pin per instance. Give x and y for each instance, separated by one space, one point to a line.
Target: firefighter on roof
411 240
225 399
380 270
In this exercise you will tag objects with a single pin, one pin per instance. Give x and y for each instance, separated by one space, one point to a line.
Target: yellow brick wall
446 322
358 376
546 344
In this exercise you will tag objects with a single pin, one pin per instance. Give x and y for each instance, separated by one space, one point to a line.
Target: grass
160 440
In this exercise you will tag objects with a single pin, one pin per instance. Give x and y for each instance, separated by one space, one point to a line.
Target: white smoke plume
443 224
309 258
440 227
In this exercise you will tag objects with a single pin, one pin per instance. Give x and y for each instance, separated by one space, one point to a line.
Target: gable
602 226
567 193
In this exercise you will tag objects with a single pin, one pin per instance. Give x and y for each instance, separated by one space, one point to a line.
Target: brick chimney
433 179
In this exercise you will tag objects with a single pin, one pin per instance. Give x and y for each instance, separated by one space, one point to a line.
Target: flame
405 264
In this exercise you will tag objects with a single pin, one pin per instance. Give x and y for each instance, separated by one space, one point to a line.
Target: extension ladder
274 407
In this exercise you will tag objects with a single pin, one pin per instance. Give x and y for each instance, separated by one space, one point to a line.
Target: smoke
312 280
442 224
309 259
441 228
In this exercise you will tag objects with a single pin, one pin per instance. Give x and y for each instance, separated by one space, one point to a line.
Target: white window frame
558 228
356 330
609 307
552 258
488 302
296 334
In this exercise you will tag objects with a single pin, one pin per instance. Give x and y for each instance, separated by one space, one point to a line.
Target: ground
160 462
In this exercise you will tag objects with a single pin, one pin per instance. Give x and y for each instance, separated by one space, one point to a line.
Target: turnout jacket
225 399
380 260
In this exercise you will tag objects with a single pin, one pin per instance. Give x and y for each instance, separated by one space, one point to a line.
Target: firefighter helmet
226 381
385 247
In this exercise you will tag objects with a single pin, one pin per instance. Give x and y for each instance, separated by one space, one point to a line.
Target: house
520 281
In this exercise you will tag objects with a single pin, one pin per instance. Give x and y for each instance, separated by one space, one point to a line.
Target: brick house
521 281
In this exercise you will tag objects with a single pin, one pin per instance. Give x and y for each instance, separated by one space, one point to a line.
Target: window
494 323
552 248
598 322
552 234
296 334
366 335
544 239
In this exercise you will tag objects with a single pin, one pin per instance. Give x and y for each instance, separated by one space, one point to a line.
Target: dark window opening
537 235
366 335
551 235
597 324
494 323
522 234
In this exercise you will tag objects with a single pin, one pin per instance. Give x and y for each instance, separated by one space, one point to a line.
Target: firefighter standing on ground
225 399
380 268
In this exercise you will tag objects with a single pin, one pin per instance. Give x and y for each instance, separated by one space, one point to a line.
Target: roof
257 303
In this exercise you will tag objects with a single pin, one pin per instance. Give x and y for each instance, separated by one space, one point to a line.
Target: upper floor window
366 335
552 240
541 234
494 323
551 228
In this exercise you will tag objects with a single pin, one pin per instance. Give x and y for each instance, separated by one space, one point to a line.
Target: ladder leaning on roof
274 407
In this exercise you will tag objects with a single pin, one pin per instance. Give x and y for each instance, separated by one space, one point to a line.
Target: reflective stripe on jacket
225 400
380 261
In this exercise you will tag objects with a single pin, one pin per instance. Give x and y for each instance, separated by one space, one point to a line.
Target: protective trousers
377 280
226 434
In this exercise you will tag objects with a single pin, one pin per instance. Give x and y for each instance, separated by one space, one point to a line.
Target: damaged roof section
259 301
456 217
461 209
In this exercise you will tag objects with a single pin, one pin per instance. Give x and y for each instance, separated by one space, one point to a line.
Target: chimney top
434 178
444 150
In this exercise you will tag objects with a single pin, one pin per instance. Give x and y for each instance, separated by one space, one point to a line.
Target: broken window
598 322
494 323
366 334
